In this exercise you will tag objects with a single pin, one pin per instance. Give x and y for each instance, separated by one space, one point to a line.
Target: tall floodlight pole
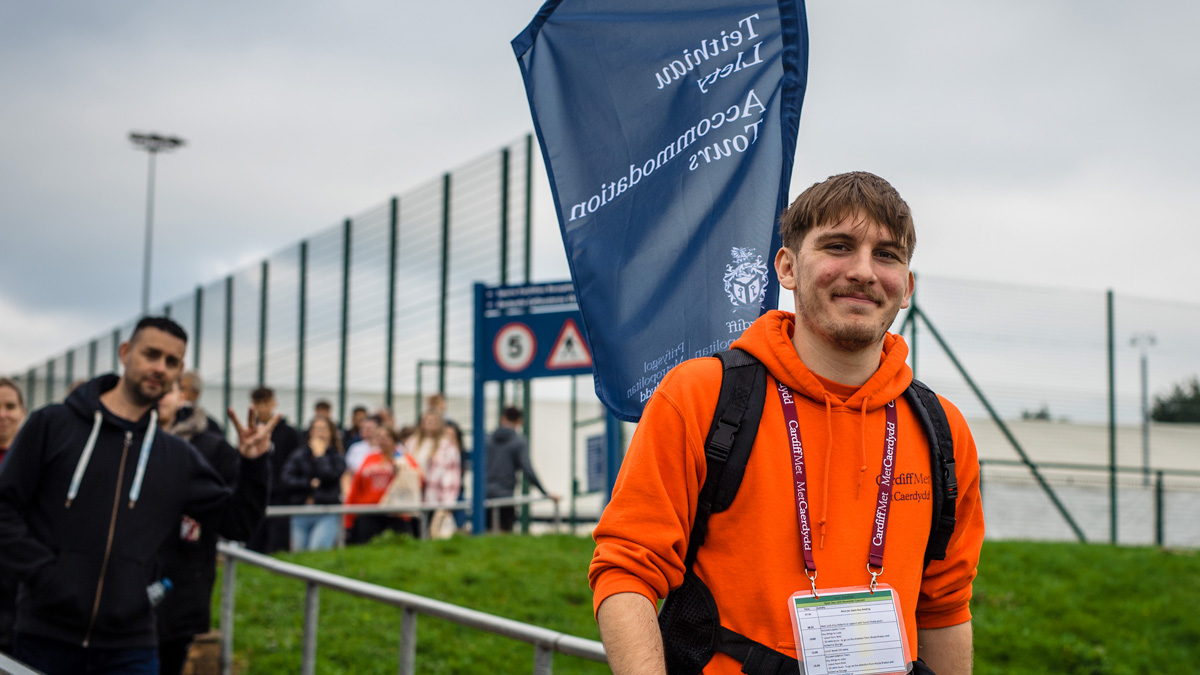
152 144
1144 341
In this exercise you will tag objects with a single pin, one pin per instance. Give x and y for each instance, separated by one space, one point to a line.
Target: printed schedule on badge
849 633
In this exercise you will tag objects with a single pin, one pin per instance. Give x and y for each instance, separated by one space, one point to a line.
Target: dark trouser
173 653
507 516
63 658
368 527
272 535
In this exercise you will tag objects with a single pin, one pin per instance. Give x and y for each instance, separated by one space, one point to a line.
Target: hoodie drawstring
862 427
143 457
86 457
828 461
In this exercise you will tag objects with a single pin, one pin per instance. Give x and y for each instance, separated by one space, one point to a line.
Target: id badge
850 631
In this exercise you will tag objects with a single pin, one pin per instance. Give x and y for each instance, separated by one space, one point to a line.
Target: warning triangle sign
570 351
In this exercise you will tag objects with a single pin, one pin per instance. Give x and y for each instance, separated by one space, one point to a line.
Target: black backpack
689 620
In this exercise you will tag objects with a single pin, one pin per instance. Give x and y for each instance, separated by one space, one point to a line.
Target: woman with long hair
443 471
313 476
12 413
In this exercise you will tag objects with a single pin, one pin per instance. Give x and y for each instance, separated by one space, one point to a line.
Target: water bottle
158 590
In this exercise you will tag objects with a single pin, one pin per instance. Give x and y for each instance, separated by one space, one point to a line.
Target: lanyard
787 399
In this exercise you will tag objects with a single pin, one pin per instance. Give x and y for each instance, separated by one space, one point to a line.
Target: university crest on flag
668 130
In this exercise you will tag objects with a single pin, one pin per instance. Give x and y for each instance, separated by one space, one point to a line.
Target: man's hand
254 440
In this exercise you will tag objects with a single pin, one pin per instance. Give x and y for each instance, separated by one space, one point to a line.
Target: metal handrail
1067 466
546 642
11 666
325 509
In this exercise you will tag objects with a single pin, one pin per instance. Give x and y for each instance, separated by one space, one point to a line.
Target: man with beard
835 377
88 494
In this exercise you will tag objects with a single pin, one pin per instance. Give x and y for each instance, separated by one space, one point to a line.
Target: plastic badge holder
850 631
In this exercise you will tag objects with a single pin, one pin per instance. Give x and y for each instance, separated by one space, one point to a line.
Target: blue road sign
533 331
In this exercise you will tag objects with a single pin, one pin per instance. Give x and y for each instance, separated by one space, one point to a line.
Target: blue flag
668 130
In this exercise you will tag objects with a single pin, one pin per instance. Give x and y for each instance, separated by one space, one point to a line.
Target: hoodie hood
769 339
85 402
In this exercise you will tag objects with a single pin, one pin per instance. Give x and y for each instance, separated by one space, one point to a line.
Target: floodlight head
155 142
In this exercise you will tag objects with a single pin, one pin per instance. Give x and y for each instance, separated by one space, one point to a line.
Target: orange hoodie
751 559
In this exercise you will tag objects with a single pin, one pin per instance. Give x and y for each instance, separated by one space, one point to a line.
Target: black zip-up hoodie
85 504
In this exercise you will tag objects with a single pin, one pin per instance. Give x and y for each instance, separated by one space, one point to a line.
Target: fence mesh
1039 356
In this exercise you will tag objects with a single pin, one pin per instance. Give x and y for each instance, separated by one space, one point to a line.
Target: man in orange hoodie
847 243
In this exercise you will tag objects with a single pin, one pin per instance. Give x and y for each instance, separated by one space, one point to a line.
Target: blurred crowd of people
372 461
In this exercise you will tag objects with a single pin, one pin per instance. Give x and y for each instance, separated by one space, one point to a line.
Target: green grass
1071 609
1060 609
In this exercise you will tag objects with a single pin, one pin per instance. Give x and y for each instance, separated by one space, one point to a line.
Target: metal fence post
1158 508
49 381
408 642
543 660
228 595
393 245
445 295
91 359
345 322
1112 422
69 375
227 388
31 387
300 321
197 328
262 328
312 611
574 448
504 162
116 350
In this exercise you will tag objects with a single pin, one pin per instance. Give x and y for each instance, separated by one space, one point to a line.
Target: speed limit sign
514 347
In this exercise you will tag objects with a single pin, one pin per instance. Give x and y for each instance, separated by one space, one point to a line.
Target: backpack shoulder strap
730 438
929 411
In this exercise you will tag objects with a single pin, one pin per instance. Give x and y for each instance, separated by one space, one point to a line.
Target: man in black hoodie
508 451
88 494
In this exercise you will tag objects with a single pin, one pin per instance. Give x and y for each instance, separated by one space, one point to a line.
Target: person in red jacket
369 484
835 379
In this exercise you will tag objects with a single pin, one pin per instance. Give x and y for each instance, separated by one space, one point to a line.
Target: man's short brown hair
843 195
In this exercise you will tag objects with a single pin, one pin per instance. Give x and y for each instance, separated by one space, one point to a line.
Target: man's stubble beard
139 397
850 337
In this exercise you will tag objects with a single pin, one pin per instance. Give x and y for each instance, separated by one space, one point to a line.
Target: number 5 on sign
514 347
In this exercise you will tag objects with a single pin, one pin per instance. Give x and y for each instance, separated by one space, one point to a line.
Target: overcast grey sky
1046 143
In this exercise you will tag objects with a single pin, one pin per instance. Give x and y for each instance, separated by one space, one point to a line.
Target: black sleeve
330 466
238 518
21 554
233 511
297 473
